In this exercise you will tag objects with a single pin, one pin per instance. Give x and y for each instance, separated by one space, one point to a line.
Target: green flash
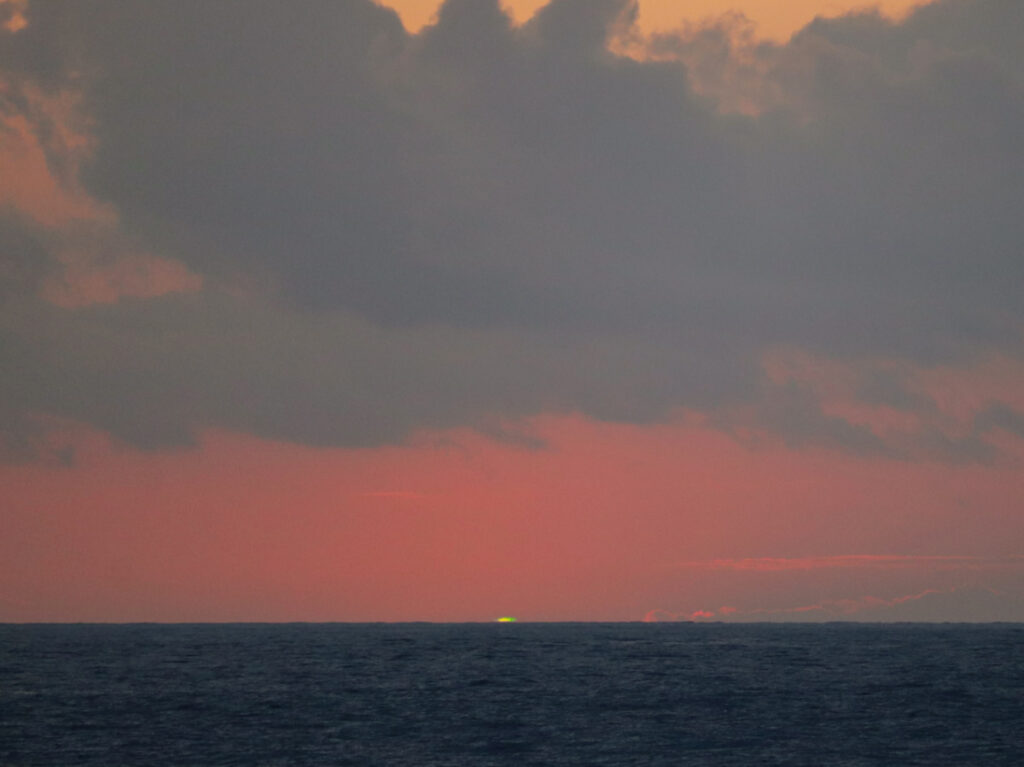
507 619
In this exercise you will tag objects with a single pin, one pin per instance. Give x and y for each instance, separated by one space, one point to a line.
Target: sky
586 310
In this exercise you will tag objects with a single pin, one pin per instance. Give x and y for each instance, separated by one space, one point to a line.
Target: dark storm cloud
167 365
887 387
25 257
794 413
486 219
999 415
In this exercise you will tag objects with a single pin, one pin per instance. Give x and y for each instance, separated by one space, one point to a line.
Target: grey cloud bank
401 232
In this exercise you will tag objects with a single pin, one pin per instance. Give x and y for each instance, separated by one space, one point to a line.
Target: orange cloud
952 412
97 266
30 187
87 278
17 19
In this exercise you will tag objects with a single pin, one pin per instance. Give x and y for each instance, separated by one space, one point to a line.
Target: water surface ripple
504 694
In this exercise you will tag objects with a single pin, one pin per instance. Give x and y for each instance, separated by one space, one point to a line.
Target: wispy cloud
401 495
866 607
856 561
845 606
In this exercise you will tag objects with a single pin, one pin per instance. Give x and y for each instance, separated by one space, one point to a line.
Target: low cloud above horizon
304 224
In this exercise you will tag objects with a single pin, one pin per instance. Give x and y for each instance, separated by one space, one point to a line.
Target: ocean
511 694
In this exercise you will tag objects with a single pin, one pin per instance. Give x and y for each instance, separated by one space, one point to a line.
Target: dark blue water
504 694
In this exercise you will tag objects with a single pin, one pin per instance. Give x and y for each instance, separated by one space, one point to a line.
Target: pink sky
607 522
